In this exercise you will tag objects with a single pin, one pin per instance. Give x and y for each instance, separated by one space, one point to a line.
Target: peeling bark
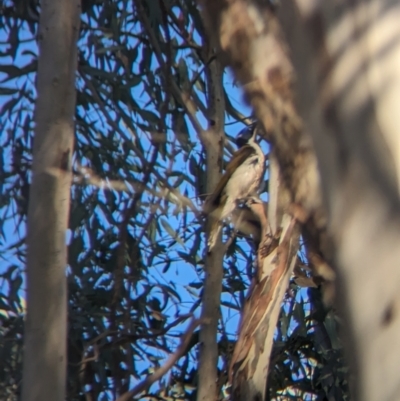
250 360
276 258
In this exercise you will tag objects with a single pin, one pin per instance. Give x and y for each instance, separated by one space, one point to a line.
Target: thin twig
87 176
160 372
183 98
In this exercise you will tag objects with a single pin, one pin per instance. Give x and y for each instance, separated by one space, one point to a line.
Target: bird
242 179
250 219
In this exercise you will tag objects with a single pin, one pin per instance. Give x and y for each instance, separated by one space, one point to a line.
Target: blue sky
181 274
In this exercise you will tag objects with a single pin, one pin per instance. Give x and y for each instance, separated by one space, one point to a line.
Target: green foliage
136 241
307 358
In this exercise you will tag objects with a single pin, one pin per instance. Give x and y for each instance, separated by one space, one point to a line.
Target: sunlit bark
44 372
347 58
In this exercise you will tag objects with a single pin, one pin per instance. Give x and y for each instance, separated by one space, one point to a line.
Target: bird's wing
238 158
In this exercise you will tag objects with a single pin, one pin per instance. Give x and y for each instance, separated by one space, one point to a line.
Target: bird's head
246 135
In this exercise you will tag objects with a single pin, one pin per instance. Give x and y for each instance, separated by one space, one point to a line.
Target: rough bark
44 371
213 141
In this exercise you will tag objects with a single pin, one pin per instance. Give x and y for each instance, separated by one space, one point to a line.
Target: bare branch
160 372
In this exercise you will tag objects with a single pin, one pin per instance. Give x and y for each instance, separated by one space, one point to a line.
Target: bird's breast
245 181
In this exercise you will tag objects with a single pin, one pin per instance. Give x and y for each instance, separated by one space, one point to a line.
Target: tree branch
160 372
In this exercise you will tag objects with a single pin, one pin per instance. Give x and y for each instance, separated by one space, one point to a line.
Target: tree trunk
213 141
44 371
347 55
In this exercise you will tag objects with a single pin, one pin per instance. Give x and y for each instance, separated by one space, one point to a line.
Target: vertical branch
213 140
44 371
118 273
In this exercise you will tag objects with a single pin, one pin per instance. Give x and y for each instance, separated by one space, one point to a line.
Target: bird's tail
213 235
